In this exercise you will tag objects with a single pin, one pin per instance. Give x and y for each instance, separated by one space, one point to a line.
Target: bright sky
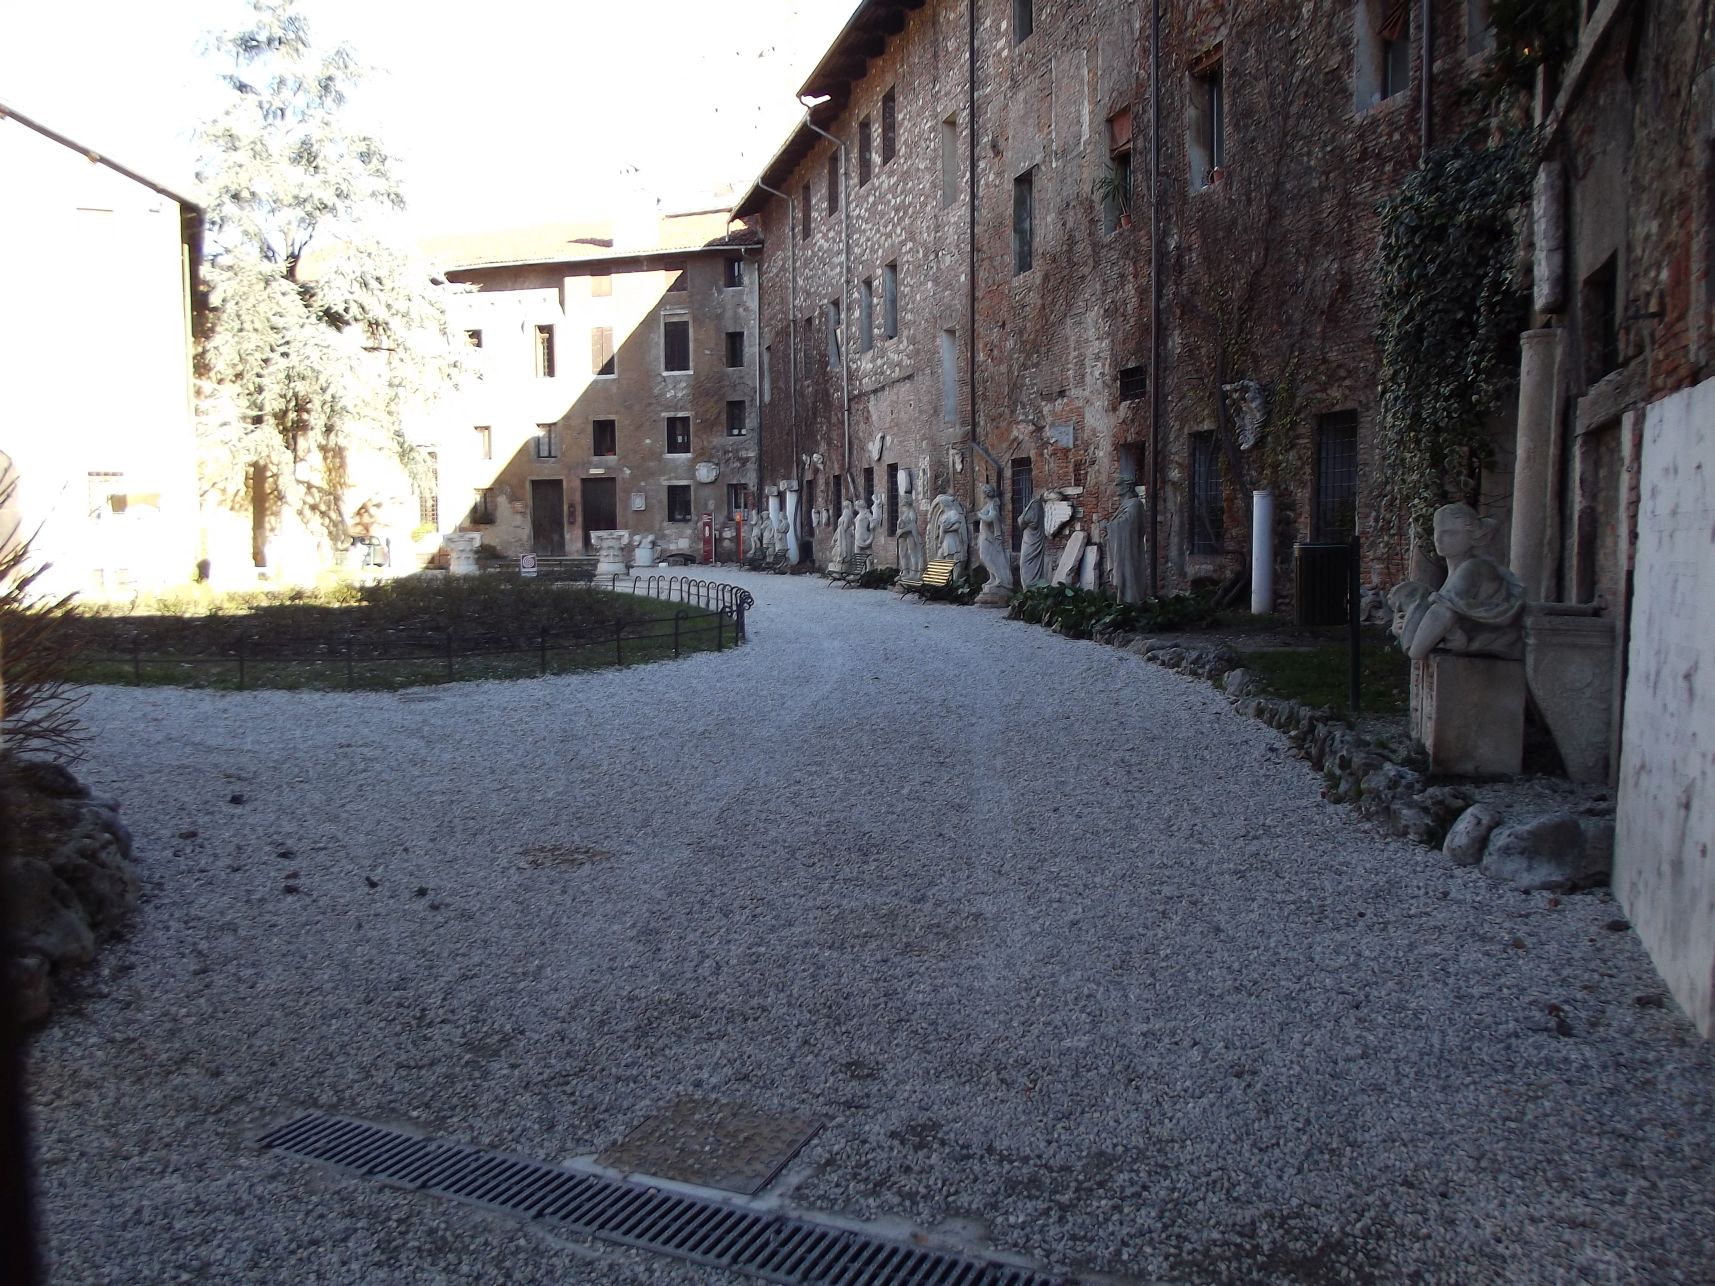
501 112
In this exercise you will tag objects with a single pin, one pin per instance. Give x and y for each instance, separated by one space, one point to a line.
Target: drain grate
705 1230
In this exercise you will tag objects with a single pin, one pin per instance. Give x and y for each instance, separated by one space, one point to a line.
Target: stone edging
1557 849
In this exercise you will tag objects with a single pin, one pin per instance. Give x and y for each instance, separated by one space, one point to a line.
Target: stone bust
1475 612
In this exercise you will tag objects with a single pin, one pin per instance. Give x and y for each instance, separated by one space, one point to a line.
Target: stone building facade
95 321
615 389
1016 262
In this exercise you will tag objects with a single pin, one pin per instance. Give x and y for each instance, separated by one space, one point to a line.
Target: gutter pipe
1157 401
845 295
791 336
971 243
1428 24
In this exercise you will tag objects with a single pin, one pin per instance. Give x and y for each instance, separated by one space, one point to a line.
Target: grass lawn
390 635
1319 675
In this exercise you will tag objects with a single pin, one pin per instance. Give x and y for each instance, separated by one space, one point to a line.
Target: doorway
601 507
548 517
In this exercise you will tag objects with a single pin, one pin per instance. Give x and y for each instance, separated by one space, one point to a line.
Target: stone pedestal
647 554
1468 713
610 552
992 595
1569 665
461 553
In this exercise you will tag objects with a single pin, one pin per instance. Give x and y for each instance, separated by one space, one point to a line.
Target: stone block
1468 713
1470 834
1569 665
1555 852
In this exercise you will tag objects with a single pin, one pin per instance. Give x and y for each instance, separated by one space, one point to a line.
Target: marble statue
610 550
782 534
845 534
1476 610
1123 541
758 534
991 544
950 530
646 555
908 544
1033 545
863 529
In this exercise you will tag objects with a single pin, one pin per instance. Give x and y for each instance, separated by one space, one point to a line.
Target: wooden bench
847 573
937 575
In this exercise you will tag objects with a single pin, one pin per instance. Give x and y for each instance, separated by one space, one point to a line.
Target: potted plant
1113 189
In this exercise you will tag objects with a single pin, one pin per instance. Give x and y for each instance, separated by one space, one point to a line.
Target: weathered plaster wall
1664 870
95 402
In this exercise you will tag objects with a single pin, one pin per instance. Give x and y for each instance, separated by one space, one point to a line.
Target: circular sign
527 564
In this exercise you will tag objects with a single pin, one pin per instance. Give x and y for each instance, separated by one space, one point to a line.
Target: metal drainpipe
1428 23
791 335
845 294
971 242
1157 402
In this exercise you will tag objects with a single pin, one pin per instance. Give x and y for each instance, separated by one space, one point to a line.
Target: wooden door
600 507
548 516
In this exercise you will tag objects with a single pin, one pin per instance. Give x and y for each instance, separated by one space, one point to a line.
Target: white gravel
1055 943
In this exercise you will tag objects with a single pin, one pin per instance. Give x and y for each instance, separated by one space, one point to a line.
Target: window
676 284
604 437
833 183
484 442
833 312
1207 513
1023 211
733 276
678 435
950 160
678 502
863 152
1335 482
1023 20
1116 184
601 285
737 499
1479 27
429 500
601 351
545 352
839 493
1134 382
473 338
735 427
1381 52
889 128
482 509
868 496
675 344
767 380
949 377
1601 321
890 301
1023 487
866 315
735 348
804 214
1208 150
892 500
544 441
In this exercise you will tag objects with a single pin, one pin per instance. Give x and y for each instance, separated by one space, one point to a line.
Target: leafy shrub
961 589
878 578
37 647
1081 613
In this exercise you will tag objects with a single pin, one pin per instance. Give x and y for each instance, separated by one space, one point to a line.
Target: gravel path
1065 953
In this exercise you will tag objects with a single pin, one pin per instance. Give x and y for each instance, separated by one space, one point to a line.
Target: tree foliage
1449 296
322 338
37 647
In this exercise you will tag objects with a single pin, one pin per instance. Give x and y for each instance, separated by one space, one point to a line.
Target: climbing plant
1530 34
1449 306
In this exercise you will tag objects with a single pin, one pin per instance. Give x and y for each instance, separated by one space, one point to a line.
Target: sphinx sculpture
1477 610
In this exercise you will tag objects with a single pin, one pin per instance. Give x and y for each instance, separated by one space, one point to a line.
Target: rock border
1558 850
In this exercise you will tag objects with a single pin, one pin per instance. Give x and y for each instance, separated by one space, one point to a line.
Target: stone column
1540 350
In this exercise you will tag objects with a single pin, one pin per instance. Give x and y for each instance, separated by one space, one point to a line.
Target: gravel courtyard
1069 959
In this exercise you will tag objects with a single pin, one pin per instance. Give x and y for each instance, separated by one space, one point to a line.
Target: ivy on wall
1450 305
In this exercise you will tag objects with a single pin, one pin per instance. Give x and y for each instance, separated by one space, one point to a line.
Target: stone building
976 304
616 386
96 315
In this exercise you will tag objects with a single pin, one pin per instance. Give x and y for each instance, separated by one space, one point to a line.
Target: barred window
1207 510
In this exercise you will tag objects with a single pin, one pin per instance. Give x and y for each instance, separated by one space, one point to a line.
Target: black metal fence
357 652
